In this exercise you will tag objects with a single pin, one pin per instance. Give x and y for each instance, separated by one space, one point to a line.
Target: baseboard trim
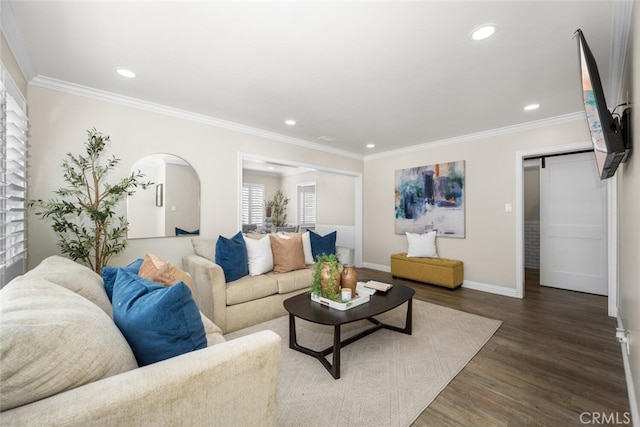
477 286
379 267
633 402
492 289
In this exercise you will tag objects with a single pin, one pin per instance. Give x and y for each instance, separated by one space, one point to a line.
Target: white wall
10 63
488 250
59 121
181 199
531 181
145 218
629 231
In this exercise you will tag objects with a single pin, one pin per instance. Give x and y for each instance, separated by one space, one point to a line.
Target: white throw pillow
422 245
306 247
259 255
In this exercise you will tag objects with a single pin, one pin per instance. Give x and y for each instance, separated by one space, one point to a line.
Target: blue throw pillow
158 322
182 232
109 275
322 245
231 255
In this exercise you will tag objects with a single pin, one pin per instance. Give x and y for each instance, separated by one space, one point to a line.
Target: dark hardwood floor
553 362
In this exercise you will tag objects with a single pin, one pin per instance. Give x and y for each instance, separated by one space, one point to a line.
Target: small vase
349 278
325 279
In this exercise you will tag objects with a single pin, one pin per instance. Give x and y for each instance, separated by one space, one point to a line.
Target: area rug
387 378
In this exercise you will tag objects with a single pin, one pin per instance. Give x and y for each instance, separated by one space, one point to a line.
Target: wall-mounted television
608 144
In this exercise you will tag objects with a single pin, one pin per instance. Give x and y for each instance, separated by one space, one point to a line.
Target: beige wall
334 197
488 250
629 227
59 121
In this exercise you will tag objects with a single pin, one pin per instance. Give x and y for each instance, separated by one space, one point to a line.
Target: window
13 180
307 204
252 204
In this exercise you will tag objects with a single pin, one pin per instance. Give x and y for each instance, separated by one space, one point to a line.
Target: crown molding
88 92
14 40
101 95
566 118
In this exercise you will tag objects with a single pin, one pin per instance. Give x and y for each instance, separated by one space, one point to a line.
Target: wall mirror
171 206
320 198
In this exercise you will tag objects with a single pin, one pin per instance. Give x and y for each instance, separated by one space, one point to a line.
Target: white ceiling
394 73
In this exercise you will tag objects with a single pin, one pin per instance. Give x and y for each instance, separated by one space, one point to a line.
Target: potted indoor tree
83 215
279 209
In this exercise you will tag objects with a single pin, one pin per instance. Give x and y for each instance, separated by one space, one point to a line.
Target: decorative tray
342 306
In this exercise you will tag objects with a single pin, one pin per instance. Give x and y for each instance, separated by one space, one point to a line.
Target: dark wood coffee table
301 306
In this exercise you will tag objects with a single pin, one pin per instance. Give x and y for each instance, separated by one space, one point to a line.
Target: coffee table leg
408 323
335 366
293 340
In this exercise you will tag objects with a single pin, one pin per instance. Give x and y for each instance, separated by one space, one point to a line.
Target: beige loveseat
65 362
244 302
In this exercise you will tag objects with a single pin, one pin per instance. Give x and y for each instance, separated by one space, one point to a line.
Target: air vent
327 138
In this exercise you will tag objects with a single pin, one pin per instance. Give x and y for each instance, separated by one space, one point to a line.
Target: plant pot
349 279
329 276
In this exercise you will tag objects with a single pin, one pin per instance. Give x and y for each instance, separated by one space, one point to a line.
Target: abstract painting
430 198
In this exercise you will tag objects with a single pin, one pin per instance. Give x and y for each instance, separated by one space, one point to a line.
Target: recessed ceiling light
126 73
290 122
531 107
483 32
371 145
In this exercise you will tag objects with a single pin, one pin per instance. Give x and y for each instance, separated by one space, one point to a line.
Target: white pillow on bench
422 245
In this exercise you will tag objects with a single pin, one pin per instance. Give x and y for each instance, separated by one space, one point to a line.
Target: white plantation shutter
13 181
252 204
307 205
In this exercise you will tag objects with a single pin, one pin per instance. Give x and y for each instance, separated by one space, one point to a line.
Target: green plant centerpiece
84 216
326 277
279 209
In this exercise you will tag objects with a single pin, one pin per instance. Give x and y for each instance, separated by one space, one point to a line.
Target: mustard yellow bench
436 271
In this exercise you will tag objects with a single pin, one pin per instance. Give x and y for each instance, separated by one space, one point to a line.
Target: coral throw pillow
163 272
288 254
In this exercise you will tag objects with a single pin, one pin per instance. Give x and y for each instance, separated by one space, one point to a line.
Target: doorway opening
523 162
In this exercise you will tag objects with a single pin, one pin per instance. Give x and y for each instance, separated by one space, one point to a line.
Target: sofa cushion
204 247
259 255
250 288
54 340
322 244
163 272
288 254
231 255
109 275
75 277
158 322
293 280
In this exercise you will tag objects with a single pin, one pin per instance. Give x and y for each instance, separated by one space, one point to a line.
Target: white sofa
65 362
244 302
